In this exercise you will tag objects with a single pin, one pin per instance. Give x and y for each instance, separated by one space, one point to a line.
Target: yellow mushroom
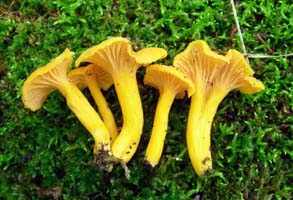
96 79
214 76
53 76
171 83
116 57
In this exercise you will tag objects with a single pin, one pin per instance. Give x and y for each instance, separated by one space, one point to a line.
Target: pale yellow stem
160 126
103 107
127 141
202 111
87 115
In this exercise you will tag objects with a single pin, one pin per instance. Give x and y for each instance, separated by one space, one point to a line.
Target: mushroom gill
213 76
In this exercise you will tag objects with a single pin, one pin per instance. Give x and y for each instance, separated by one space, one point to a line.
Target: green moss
252 138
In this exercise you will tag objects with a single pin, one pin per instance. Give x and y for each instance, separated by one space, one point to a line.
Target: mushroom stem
200 118
103 107
129 98
116 57
160 126
54 76
86 114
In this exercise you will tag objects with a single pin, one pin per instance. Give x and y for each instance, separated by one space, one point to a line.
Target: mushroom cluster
204 75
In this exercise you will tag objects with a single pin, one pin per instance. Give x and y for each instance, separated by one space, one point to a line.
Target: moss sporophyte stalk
206 76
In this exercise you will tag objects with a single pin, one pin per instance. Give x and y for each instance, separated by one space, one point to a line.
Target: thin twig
268 56
238 29
246 55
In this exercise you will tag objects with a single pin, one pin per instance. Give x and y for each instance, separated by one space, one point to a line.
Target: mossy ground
252 140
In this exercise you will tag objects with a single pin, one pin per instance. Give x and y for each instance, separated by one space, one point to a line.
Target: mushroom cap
165 77
116 55
198 61
46 79
237 74
229 72
252 86
79 75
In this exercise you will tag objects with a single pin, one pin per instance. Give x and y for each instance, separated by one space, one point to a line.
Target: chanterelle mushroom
53 76
116 57
214 76
170 82
95 78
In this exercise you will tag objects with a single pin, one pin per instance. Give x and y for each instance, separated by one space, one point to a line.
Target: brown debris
205 160
262 41
231 37
55 192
